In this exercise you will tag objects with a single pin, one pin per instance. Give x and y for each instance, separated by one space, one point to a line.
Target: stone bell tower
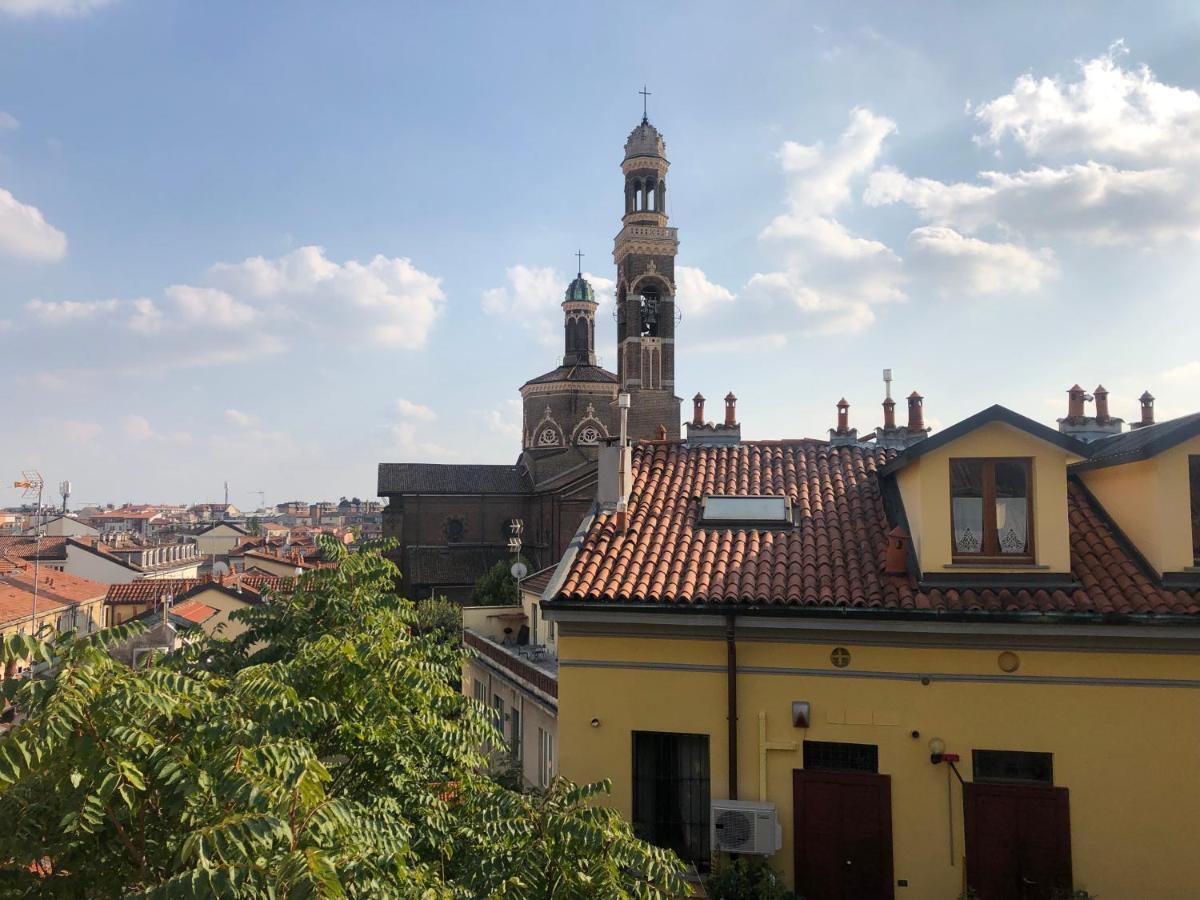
644 251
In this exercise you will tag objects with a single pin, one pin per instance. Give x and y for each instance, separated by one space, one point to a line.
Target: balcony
534 665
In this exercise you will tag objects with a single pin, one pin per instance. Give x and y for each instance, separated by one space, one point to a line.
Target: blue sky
277 243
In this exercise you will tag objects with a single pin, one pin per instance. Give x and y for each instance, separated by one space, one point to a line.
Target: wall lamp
938 754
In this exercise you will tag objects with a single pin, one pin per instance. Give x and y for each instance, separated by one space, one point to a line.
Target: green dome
579 289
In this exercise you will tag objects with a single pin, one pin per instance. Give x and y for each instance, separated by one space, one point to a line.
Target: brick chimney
1147 402
896 560
1101 395
916 413
1075 399
843 435
714 434
660 433
843 408
889 414
1078 424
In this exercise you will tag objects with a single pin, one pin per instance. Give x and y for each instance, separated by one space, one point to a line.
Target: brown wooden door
843 836
1018 841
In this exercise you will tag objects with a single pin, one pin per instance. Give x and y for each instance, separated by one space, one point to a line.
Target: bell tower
644 251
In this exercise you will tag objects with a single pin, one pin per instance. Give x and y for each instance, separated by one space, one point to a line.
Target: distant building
452 521
64 603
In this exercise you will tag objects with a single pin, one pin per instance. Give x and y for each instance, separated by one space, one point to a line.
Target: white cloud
1188 373
58 8
531 298
830 276
208 306
1110 111
25 233
240 419
506 420
139 430
61 312
409 410
387 301
147 318
967 265
8 122
1089 202
696 294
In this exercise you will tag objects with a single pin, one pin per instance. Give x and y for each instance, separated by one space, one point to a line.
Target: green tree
323 752
254 525
497 587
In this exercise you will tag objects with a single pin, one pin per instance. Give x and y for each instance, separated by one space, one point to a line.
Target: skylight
745 509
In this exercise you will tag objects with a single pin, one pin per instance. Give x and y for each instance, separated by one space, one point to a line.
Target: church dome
645 141
580 289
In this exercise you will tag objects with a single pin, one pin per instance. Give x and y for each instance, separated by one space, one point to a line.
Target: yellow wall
1127 754
925 488
1150 501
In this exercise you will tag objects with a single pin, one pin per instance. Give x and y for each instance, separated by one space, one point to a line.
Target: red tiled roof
148 590
56 591
193 611
26 547
833 559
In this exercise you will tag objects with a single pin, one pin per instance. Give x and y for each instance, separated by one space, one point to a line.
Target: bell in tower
644 251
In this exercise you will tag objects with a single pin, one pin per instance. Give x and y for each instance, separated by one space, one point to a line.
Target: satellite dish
519 570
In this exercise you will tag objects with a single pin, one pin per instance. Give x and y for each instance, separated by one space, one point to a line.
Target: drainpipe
731 680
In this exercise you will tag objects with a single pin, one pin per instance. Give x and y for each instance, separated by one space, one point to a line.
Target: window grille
840 757
1013 765
671 792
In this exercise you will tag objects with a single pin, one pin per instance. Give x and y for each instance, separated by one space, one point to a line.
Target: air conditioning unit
743 826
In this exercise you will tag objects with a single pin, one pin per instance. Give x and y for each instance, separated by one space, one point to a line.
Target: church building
452 521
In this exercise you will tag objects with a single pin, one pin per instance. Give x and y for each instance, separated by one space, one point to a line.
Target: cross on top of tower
645 95
579 255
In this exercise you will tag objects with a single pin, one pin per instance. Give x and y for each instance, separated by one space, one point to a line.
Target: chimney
614 464
1147 401
730 410
896 561
1101 396
843 408
916 412
698 410
1075 398
889 414
660 433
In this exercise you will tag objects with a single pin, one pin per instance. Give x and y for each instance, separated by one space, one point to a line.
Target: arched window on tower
639 195
651 198
649 308
578 332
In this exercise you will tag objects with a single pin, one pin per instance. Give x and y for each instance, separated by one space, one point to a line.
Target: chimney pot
916 412
660 433
698 410
1147 401
889 414
896 560
843 408
1101 396
1075 398
730 410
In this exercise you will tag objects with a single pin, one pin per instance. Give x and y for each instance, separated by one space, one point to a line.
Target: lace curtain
1012 524
968 524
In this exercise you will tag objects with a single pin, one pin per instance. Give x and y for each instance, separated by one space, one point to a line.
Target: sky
277 243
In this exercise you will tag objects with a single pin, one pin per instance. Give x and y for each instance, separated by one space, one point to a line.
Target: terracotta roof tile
833 558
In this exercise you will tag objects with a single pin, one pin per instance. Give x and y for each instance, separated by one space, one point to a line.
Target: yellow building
967 659
223 596
64 603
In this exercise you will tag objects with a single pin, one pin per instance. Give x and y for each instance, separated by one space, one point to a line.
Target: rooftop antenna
64 488
227 493
33 483
645 94
579 256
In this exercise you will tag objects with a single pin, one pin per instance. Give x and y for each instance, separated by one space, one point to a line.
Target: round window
455 530
548 437
589 435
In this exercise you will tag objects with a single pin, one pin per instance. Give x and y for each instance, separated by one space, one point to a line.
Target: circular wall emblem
1008 661
840 657
589 435
548 437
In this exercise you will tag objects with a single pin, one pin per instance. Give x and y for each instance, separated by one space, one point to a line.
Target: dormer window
991 510
1194 480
